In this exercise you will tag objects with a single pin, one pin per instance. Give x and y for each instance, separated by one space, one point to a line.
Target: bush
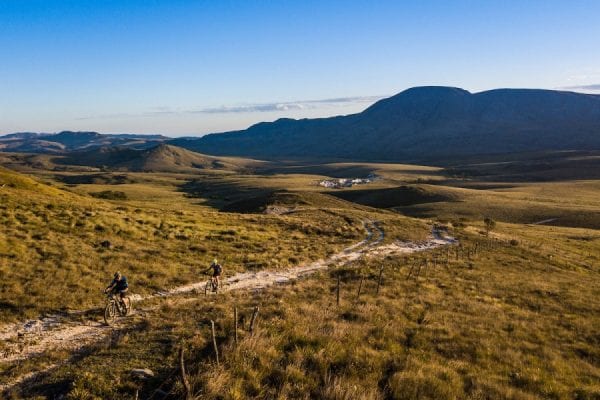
110 195
490 224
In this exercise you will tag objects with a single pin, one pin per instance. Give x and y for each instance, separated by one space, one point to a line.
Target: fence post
253 320
184 380
413 267
338 290
360 285
214 340
420 267
379 280
235 325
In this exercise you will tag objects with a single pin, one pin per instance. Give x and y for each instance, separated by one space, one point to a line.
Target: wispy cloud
298 105
288 106
152 113
593 87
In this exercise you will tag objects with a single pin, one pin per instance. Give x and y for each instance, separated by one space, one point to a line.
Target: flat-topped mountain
424 124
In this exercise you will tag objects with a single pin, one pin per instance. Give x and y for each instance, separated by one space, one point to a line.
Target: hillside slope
161 158
423 124
66 141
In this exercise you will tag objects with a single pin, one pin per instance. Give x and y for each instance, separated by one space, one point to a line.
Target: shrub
490 224
110 195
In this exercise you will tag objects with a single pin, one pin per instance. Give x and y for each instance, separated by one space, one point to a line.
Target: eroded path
73 332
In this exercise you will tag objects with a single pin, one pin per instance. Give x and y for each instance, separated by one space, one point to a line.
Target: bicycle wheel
126 310
207 287
110 312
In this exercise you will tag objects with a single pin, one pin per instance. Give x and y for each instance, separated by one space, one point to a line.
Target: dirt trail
544 221
68 332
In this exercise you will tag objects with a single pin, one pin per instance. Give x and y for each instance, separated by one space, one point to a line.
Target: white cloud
300 105
585 88
288 106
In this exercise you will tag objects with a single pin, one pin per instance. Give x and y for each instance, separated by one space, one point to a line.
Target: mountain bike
115 307
211 286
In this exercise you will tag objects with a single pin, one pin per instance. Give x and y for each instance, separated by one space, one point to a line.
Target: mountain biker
217 269
118 285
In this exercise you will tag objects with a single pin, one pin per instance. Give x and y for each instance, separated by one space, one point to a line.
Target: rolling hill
67 141
161 158
425 124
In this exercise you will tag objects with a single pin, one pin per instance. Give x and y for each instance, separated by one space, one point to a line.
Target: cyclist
118 285
217 269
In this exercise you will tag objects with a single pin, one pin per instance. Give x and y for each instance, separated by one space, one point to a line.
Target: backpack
218 268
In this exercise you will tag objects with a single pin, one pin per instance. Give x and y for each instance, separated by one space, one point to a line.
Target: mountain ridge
420 124
69 141
425 123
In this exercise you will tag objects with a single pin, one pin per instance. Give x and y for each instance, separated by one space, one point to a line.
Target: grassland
58 248
513 314
507 323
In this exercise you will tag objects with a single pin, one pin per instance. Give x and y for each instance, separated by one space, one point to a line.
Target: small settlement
346 182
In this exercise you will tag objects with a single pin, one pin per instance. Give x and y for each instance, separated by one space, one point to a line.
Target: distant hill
425 124
161 158
67 141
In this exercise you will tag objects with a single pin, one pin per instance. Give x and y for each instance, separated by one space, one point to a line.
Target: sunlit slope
58 249
162 158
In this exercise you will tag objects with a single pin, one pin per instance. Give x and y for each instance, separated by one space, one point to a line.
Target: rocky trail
74 331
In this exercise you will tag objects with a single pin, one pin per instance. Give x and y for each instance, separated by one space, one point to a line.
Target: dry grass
513 321
58 249
508 323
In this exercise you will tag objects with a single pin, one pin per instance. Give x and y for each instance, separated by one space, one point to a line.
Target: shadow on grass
41 384
96 179
530 167
229 196
331 170
392 197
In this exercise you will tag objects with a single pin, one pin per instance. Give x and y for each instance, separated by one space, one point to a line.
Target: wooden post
253 320
411 270
379 280
235 325
360 285
214 340
421 265
184 380
338 290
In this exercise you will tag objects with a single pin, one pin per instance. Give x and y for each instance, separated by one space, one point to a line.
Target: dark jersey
120 284
217 269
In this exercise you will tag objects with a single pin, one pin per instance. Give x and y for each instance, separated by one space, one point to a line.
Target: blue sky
191 67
